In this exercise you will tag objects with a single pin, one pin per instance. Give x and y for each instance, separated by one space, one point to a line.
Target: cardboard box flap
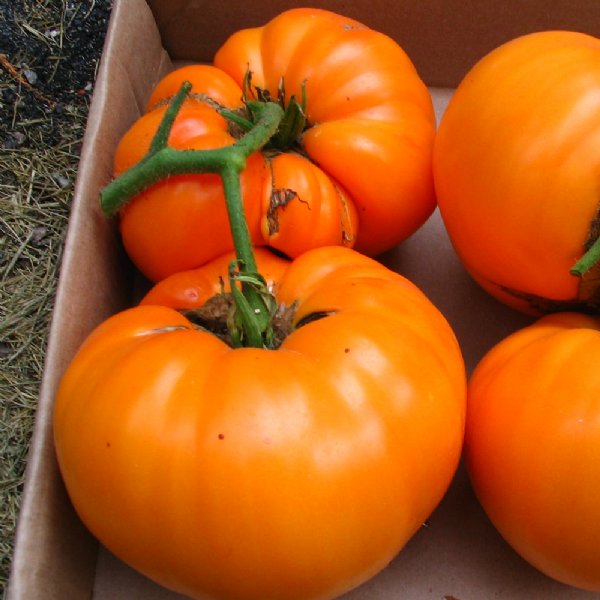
54 555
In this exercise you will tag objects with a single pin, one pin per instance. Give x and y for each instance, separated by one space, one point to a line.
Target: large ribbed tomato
533 444
517 170
290 474
358 174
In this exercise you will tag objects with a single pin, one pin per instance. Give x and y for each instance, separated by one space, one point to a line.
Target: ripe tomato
191 289
533 444
181 222
516 168
359 174
292 474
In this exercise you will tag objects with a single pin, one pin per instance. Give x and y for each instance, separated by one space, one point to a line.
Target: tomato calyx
218 316
212 316
251 323
292 125
293 122
217 313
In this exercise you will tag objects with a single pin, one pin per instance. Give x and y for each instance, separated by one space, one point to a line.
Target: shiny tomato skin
516 168
532 444
362 167
207 82
290 474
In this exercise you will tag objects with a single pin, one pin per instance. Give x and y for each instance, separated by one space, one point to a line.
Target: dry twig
22 81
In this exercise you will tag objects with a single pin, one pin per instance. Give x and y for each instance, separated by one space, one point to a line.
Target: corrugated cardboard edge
54 556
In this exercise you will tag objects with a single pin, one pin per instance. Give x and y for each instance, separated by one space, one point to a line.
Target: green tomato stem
230 177
163 161
254 306
243 123
587 261
164 129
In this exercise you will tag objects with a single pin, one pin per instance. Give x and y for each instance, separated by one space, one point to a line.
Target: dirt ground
49 53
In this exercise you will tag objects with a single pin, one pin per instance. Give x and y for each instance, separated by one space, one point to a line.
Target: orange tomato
191 289
516 168
359 174
182 222
533 444
292 474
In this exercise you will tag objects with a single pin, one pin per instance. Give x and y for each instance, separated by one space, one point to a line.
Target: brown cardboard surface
458 554
443 37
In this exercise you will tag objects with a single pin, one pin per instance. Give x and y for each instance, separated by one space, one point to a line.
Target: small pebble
62 180
38 234
31 76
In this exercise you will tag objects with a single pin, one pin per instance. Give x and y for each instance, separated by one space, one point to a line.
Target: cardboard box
459 554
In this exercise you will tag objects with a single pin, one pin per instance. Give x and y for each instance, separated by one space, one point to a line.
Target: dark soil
54 66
